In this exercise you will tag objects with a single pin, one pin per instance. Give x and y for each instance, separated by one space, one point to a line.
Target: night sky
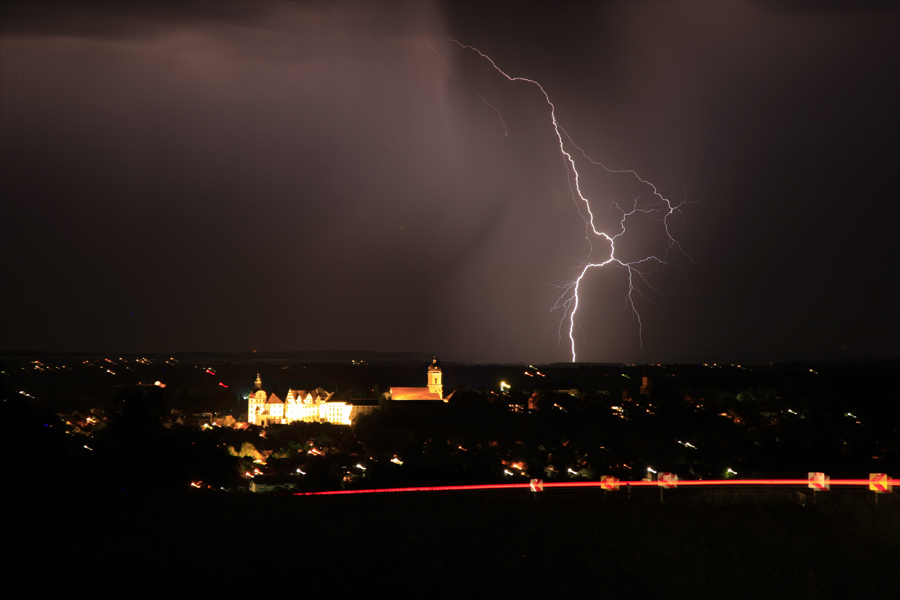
309 176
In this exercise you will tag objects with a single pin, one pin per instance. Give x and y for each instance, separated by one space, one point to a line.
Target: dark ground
750 543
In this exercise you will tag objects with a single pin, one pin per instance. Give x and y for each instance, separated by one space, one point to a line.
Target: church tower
434 379
256 401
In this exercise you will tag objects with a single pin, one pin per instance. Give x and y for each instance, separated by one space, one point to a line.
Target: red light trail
595 484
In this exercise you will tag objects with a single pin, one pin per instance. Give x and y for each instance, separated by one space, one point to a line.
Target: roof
413 393
317 395
363 402
299 394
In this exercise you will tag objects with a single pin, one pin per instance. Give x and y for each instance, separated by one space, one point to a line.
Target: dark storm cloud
308 175
823 7
123 20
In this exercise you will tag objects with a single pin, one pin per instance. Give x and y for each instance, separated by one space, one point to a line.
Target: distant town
233 424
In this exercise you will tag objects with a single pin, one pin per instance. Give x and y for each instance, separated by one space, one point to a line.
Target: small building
273 483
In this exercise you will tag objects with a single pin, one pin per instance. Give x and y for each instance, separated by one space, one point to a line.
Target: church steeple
258 382
435 385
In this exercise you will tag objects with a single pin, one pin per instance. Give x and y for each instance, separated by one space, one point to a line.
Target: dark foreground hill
575 543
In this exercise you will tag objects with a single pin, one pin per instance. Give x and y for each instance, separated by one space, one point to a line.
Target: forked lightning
659 207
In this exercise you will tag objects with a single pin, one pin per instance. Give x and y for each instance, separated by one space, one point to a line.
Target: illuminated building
308 406
434 390
316 406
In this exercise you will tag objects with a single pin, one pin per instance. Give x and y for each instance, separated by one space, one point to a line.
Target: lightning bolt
659 207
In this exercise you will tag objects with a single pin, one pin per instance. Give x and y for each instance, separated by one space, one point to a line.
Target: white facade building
309 406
